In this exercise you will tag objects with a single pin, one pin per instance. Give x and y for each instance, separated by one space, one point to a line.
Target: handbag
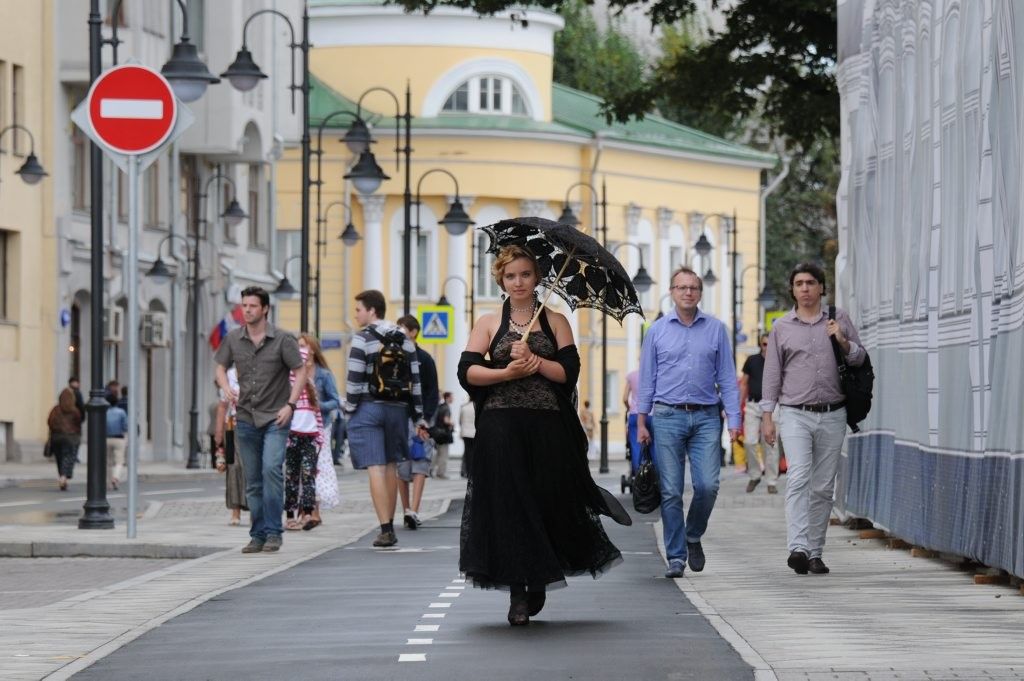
856 382
441 434
47 449
646 491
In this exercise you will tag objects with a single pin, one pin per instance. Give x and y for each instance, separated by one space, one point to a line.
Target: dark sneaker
272 544
772 489
752 485
385 539
675 568
410 522
798 562
254 546
695 556
817 567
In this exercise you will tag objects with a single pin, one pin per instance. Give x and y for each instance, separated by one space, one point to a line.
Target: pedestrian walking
227 460
587 419
687 374
265 402
750 398
117 429
467 431
629 397
428 368
802 378
414 471
382 392
330 405
305 436
65 424
76 388
444 436
530 516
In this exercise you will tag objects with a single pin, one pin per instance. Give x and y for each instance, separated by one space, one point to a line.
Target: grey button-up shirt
800 367
263 383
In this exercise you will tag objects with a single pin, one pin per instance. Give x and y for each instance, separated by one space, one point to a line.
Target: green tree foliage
601 63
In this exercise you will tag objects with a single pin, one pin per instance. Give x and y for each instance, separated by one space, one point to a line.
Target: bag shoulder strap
376 334
836 350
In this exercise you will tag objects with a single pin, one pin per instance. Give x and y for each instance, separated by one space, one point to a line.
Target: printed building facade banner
932 267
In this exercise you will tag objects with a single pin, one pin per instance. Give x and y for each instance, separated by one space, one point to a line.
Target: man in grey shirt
263 356
801 375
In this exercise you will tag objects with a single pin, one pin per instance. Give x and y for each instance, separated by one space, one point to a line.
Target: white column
632 257
373 241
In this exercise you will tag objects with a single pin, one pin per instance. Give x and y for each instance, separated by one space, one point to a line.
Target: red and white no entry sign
132 109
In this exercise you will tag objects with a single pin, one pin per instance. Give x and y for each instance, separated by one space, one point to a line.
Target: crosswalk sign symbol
436 324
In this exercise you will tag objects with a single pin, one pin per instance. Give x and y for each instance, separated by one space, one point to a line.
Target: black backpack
391 378
855 382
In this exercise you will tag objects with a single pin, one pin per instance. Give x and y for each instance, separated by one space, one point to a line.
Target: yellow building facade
28 249
486 110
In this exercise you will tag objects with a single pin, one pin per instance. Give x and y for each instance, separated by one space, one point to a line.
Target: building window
257 227
188 187
151 197
486 287
3 97
5 241
421 265
121 23
487 94
675 258
17 107
289 244
80 170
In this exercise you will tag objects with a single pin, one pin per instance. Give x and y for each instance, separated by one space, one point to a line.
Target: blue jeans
262 452
686 434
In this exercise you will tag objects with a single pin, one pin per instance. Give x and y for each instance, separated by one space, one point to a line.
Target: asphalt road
364 613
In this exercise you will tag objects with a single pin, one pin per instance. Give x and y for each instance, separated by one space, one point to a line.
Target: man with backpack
382 392
801 375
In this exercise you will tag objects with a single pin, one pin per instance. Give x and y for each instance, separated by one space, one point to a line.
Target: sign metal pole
132 332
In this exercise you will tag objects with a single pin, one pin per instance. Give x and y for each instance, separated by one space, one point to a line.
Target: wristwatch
293 406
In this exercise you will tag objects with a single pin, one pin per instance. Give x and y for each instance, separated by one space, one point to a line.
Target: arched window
491 94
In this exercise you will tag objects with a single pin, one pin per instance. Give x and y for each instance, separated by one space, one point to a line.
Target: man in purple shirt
801 376
686 374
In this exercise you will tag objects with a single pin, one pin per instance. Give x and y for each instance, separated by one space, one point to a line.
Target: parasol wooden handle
536 314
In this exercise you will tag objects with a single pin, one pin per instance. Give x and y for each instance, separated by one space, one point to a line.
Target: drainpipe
762 232
594 217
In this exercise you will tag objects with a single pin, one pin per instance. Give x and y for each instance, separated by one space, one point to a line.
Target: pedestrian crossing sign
436 324
770 317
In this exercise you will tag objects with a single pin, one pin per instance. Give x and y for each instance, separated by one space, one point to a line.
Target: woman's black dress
531 512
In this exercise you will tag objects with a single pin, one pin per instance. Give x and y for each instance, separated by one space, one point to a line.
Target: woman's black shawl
599 499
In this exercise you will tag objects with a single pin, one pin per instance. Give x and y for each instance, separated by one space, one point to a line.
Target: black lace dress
531 512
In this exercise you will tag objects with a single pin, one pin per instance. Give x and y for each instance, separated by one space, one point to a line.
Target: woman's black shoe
518 610
535 599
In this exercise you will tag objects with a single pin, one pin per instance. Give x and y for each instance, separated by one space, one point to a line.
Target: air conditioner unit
113 324
154 329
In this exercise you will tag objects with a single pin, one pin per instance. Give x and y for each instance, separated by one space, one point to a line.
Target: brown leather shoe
752 485
816 566
385 539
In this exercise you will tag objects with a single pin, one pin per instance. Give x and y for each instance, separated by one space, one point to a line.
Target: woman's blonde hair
505 256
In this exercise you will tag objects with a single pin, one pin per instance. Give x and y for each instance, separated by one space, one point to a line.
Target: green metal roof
575 113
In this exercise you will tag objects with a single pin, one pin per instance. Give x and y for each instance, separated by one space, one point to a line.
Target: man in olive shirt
263 356
801 376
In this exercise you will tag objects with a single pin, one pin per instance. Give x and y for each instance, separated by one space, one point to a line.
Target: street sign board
132 109
436 324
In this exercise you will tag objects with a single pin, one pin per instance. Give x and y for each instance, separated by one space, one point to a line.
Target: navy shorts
378 434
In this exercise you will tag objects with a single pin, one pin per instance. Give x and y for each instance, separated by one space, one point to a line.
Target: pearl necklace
513 308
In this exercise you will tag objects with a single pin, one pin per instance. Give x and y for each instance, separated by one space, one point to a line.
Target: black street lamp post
568 218
232 215
370 177
456 221
30 172
443 300
366 166
766 299
285 290
244 75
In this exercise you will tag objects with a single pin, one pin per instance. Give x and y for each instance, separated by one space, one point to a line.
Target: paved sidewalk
880 615
45 472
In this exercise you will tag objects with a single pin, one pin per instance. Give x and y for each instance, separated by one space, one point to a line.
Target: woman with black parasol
531 512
